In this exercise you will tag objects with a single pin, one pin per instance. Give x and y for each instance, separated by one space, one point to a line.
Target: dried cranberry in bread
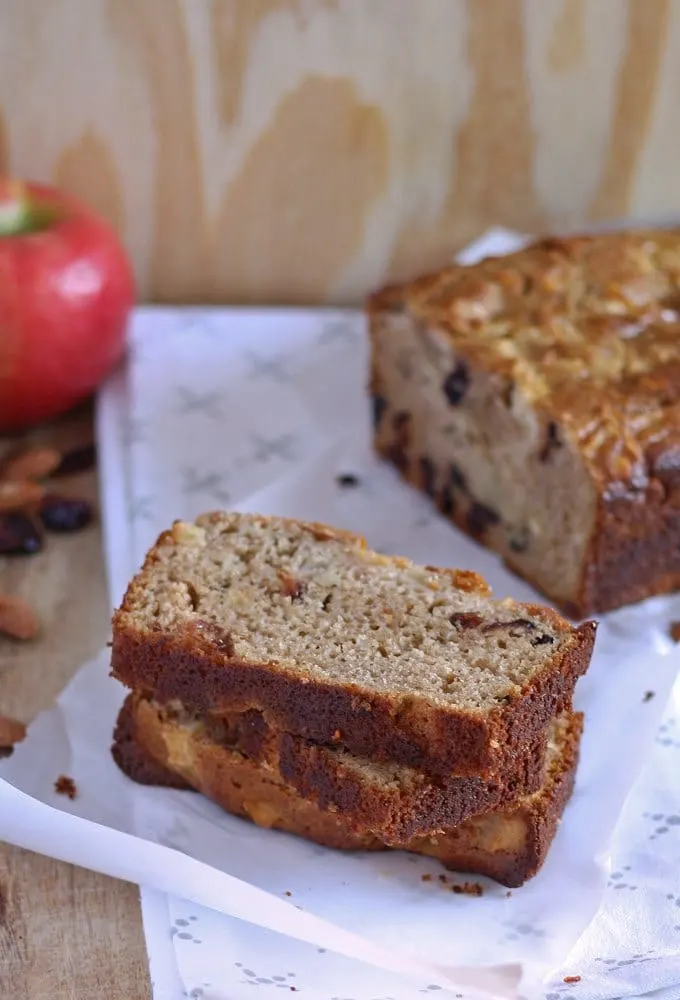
338 644
508 845
536 399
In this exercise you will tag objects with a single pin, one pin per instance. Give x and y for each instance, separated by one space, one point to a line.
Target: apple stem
16 215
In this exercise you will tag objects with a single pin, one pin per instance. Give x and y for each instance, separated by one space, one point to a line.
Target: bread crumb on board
674 631
571 979
648 695
65 786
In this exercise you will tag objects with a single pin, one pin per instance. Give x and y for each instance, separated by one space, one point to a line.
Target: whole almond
17 618
11 732
19 494
34 463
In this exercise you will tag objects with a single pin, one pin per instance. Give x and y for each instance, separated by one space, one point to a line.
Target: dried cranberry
447 504
508 393
77 460
480 517
515 623
427 475
65 513
398 455
551 443
19 535
379 407
398 450
519 539
401 420
466 619
456 383
458 480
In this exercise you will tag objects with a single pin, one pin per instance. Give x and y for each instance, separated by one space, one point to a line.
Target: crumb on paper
467 888
508 894
288 893
426 878
571 979
65 786
293 989
443 879
674 631
648 695
347 480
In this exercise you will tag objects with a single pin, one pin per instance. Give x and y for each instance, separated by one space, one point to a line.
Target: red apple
66 291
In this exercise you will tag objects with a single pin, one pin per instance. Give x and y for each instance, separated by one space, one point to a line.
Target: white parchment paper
261 410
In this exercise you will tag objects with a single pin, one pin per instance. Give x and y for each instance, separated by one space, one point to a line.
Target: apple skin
66 292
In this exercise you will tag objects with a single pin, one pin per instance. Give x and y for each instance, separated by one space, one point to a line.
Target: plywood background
303 150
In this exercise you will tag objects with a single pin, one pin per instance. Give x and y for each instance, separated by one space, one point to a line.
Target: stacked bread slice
309 684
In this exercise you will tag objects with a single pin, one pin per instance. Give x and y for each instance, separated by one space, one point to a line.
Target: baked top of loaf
508 844
337 643
588 329
395 801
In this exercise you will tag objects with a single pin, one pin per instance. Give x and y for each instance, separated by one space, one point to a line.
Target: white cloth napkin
261 410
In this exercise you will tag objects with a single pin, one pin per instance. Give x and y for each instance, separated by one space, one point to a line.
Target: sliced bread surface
393 801
339 644
508 845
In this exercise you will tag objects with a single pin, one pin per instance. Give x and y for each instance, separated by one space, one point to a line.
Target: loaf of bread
508 845
339 645
536 399
392 801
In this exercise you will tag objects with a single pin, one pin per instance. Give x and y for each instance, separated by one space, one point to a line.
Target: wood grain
64 931
305 150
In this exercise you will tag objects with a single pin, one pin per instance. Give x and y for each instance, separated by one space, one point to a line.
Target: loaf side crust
440 742
509 851
395 802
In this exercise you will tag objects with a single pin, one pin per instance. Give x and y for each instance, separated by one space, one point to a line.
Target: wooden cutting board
64 932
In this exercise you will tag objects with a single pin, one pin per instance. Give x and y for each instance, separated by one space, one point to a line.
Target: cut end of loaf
307 599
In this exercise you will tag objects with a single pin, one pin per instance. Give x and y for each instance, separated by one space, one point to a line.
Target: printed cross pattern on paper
267 448
208 484
207 403
274 367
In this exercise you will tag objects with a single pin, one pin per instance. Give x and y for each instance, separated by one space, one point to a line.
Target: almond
19 494
32 464
11 732
17 618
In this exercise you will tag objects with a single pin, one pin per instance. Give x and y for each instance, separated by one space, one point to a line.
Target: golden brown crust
588 330
193 670
587 327
395 802
507 845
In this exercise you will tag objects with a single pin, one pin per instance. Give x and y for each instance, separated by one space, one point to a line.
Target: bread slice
338 644
536 399
393 801
508 845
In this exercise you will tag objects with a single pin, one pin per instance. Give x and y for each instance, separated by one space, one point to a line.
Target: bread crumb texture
318 601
